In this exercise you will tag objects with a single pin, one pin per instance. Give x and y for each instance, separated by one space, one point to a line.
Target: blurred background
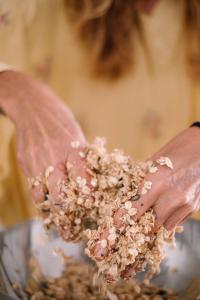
129 71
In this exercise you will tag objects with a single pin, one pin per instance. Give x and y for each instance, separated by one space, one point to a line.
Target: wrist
194 136
14 93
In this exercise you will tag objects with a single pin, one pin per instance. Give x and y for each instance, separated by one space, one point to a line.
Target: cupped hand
175 188
175 193
45 129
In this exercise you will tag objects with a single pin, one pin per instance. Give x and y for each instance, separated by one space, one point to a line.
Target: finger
178 217
99 250
78 163
147 200
166 205
118 217
159 183
43 182
38 194
131 270
53 180
76 159
128 272
185 219
38 190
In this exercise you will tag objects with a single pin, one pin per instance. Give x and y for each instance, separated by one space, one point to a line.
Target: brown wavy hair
108 28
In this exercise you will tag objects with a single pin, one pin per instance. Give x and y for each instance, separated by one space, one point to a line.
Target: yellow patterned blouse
139 113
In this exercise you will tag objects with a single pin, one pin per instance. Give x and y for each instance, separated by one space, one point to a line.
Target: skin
175 194
45 128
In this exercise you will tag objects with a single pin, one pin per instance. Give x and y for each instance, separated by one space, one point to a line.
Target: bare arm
45 127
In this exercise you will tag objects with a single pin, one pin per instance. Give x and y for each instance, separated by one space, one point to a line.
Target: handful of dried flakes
103 212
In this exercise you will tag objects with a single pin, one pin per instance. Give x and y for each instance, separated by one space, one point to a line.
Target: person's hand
175 193
45 129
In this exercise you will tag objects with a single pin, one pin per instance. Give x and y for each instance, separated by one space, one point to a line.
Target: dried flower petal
103 243
128 205
75 144
105 214
165 161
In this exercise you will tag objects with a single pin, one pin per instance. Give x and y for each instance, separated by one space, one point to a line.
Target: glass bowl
19 243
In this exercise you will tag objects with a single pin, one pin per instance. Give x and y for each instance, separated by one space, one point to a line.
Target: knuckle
166 180
189 207
160 209
180 199
170 225
159 218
